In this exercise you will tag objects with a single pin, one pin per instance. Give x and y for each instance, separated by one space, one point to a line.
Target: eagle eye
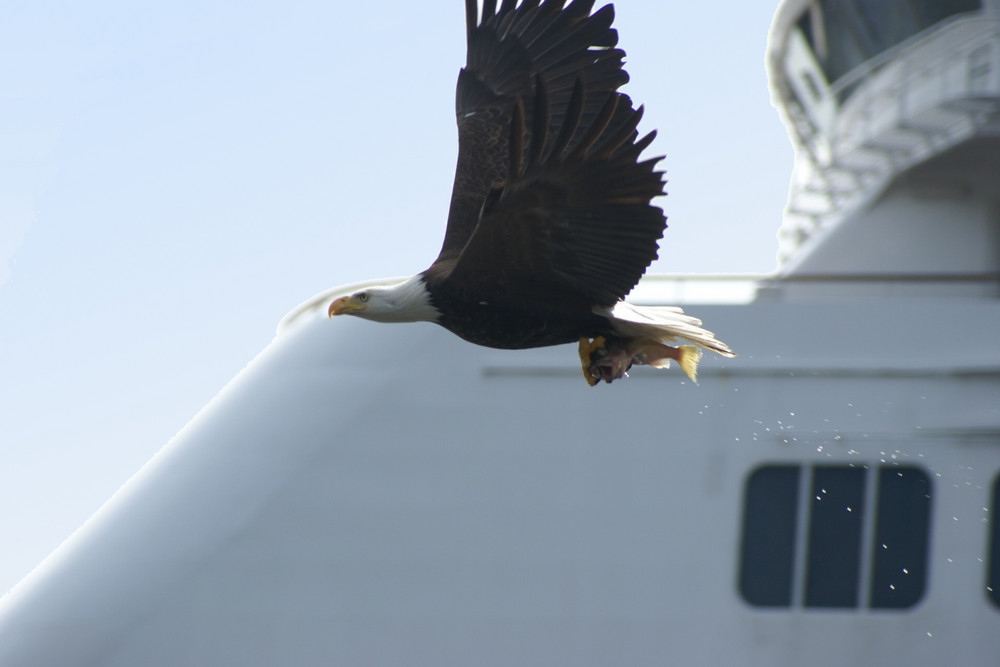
363 297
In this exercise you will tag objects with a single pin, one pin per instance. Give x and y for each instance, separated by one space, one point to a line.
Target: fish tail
688 357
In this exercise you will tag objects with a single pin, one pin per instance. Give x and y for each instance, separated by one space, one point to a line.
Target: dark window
862 536
769 516
899 571
993 575
834 550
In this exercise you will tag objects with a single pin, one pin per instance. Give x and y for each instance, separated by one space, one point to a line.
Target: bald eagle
550 224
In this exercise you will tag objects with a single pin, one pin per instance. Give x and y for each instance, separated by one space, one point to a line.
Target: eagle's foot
601 362
587 348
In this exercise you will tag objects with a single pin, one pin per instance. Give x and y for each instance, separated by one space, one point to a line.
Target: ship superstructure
893 110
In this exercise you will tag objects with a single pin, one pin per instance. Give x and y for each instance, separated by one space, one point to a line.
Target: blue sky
175 177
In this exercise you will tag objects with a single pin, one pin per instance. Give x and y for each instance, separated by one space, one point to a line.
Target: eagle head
408 301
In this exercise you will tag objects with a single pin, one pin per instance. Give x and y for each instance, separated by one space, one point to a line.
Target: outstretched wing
507 50
573 220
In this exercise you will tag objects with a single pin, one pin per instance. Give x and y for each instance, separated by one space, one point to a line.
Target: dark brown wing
507 50
573 220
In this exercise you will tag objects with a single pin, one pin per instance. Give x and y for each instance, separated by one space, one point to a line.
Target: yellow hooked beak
345 305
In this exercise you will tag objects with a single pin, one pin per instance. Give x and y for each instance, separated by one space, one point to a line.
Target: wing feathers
472 18
509 49
597 126
626 132
575 218
516 141
571 120
539 126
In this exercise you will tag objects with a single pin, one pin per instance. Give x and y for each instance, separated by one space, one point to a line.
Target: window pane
836 508
900 564
768 552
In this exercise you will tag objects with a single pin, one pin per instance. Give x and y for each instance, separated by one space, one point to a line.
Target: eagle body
507 325
551 222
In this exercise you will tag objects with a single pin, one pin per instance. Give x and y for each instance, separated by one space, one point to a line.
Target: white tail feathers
664 324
